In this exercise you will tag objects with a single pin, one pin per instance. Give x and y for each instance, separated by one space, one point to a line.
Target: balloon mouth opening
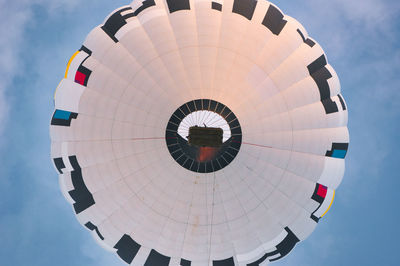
207 148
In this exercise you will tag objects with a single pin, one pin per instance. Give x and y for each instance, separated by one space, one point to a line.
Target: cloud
15 17
372 14
9 44
99 256
321 246
363 33
340 25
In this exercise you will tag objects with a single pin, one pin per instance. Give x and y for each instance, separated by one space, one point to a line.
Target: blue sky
361 38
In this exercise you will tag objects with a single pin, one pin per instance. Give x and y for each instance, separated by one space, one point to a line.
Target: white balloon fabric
153 69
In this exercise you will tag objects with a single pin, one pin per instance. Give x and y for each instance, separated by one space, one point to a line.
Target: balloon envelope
153 70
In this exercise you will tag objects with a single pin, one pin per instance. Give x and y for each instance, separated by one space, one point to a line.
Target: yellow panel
69 63
330 205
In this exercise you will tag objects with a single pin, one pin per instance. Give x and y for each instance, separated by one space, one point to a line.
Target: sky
361 39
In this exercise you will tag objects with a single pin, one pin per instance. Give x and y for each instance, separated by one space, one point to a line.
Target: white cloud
372 13
340 24
98 255
14 18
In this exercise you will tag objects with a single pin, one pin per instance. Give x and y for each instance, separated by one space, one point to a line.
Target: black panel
185 262
202 168
227 161
172 127
173 148
81 195
145 4
216 6
310 42
222 162
245 8
174 119
209 167
170 137
86 50
342 102
321 78
177 154
178 113
318 64
62 122
195 166
215 165
274 21
233 151
229 156
236 142
188 164
225 112
127 248
59 163
315 218
301 35
176 5
206 104
320 75
191 106
307 41
234 123
157 259
185 109
282 248
198 105
213 105
115 22
236 131
227 262
287 244
330 106
92 227
182 159
262 259
219 108
230 118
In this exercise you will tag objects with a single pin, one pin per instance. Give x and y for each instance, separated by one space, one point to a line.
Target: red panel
322 190
80 78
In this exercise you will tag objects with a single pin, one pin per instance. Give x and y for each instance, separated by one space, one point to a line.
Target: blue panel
339 154
60 114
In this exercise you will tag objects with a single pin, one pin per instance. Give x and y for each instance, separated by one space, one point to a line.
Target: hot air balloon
199 133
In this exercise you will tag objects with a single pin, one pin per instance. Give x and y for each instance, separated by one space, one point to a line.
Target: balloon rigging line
212 220
154 138
257 145
244 143
208 116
